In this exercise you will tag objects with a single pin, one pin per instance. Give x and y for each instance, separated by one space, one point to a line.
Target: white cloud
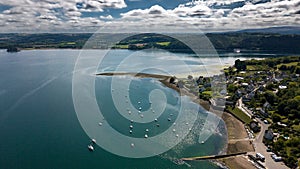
49 15
209 15
227 15
108 17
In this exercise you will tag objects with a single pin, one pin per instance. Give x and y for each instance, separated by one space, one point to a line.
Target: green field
256 67
121 46
207 93
240 114
163 43
288 64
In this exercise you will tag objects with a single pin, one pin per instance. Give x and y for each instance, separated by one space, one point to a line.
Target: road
261 148
258 142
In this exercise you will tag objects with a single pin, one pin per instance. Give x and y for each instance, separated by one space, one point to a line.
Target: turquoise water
39 127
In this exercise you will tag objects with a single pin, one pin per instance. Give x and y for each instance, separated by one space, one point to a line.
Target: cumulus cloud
215 15
108 17
52 14
209 15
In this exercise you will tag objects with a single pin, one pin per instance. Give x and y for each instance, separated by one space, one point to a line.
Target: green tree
240 65
276 118
270 97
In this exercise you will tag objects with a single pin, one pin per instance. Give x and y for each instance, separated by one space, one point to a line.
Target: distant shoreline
221 54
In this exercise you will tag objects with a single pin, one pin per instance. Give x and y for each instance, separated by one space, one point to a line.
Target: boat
178 161
94 141
90 147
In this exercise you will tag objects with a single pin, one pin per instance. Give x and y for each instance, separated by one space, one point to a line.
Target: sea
41 126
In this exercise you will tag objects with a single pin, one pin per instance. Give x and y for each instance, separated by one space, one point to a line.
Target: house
281 124
263 112
180 84
244 84
254 126
269 134
282 87
248 97
250 88
266 106
261 88
200 80
223 92
239 78
201 89
238 93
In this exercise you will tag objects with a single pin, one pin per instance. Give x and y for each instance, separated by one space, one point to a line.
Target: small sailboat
90 147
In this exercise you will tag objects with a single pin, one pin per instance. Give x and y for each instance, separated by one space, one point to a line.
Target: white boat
93 140
90 147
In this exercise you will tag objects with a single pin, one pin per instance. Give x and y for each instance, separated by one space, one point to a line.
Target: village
264 95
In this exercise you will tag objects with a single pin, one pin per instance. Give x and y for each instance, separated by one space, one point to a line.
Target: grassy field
163 43
122 46
207 93
256 68
288 64
239 114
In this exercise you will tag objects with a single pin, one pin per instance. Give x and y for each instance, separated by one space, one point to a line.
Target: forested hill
260 42
275 43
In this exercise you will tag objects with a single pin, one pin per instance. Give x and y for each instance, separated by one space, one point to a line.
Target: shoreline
165 80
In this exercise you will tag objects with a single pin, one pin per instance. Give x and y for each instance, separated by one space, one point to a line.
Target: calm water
39 127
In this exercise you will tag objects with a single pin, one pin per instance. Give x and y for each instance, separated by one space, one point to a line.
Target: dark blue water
39 127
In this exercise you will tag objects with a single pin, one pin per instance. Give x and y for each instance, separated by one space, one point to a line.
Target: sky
46 16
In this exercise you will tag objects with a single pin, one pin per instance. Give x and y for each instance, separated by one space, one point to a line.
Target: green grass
122 46
207 93
288 64
296 127
163 43
256 67
240 114
286 120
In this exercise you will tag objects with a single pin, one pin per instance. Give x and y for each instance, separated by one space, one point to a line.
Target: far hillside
223 42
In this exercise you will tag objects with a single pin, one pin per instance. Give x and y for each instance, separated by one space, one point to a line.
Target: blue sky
145 15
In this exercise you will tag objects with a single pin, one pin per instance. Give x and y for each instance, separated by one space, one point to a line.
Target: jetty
212 157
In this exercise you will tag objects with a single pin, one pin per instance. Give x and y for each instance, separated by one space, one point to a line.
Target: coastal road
261 148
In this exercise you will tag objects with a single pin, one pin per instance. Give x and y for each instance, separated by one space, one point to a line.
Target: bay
39 127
